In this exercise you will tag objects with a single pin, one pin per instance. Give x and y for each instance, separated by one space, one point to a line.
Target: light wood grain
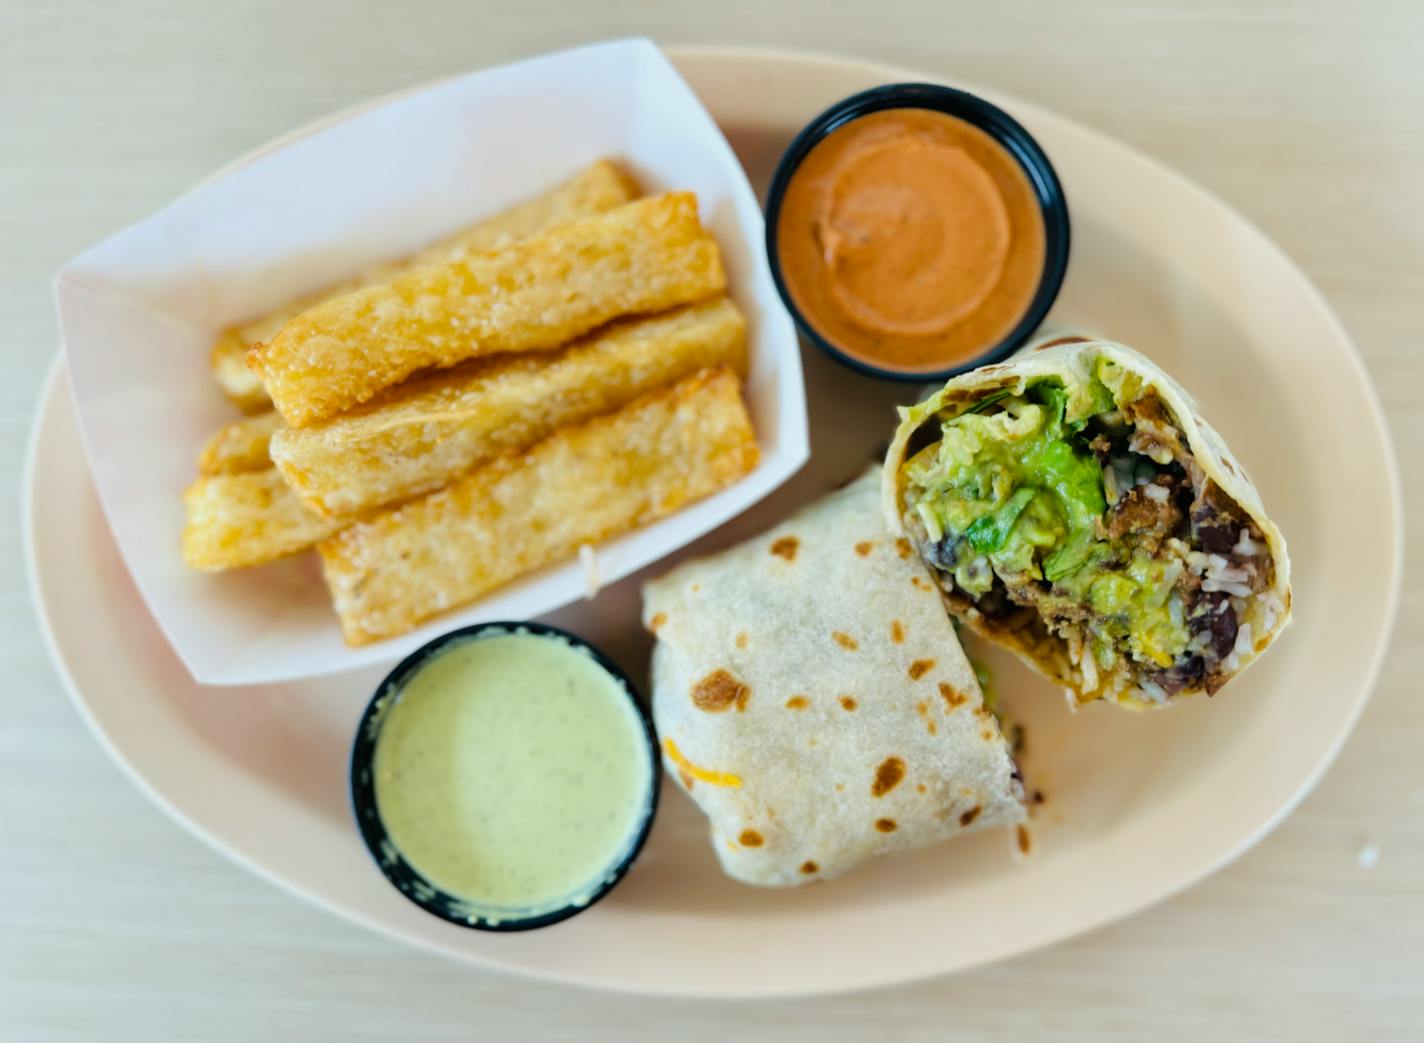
1309 117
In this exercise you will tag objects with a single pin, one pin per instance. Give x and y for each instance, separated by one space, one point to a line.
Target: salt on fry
534 295
522 511
427 431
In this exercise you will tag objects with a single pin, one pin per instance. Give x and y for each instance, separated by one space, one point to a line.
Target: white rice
1214 586
1152 690
1090 672
1110 487
1246 547
1271 609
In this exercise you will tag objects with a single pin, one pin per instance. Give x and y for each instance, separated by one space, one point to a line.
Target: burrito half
811 697
1075 507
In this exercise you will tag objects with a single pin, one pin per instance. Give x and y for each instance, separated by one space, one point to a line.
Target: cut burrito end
1075 508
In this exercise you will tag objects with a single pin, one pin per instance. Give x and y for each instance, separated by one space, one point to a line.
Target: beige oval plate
1138 806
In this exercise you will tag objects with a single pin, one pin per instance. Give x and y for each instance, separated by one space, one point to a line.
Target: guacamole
1014 489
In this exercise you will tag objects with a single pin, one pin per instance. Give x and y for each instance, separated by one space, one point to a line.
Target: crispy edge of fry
594 190
228 361
430 430
240 446
250 518
523 511
534 295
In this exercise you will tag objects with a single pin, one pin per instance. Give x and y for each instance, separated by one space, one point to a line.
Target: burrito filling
1081 512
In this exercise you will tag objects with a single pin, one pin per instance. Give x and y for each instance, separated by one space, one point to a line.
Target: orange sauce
911 240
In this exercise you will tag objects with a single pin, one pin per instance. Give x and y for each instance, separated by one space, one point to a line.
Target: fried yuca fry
533 295
237 520
228 360
432 429
600 188
240 446
522 511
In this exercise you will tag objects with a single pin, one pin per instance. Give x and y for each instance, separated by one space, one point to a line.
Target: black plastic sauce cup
993 121
388 858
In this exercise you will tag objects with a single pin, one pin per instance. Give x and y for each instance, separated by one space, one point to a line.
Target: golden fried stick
600 188
228 360
432 429
533 295
236 520
240 446
522 511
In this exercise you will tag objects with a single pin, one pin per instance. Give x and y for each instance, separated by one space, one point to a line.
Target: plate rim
50 387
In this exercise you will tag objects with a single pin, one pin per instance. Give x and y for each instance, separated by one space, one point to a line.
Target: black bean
1213 532
1223 631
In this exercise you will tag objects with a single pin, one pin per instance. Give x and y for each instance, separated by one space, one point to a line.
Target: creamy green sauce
513 773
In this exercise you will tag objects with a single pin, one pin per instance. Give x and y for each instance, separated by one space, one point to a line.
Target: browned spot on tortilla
983 712
903 548
969 816
931 727
797 702
848 702
687 780
840 786
1037 797
888 775
952 699
719 691
986 735
1025 842
808 867
811 743
864 547
749 838
897 631
659 618
1061 340
920 786
786 547
920 667
695 587
742 639
886 825
843 639
919 584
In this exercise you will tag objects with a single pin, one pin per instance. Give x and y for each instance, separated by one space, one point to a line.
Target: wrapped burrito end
812 699
1075 507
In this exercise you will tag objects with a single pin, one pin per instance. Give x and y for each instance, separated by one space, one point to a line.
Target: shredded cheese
712 778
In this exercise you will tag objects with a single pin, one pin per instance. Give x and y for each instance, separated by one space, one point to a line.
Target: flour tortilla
1071 356
813 700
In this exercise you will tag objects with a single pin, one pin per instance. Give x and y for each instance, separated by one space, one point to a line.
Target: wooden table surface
1309 117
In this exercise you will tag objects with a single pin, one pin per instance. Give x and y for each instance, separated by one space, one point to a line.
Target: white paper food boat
140 312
